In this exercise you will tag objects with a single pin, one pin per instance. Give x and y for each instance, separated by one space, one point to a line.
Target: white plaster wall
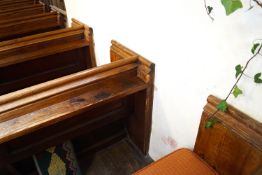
194 57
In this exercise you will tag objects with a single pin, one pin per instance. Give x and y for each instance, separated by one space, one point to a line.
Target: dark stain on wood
126 83
77 100
102 95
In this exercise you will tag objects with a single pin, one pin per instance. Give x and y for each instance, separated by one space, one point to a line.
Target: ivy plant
230 7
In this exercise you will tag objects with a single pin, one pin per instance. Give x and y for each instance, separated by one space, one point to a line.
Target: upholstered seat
180 162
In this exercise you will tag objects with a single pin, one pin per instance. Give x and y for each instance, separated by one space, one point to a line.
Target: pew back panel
29 25
22 11
70 50
232 146
9 2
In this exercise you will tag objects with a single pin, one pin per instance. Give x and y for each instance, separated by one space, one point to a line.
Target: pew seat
180 162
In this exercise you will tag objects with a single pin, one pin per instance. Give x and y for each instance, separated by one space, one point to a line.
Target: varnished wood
29 25
139 125
78 104
70 50
14 4
34 101
234 145
22 11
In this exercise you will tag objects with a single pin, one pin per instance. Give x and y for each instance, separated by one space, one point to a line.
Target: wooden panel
9 2
11 6
20 27
234 145
22 11
70 50
89 122
139 127
29 73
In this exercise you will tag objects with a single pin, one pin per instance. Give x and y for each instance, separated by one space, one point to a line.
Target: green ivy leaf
238 69
254 47
211 122
209 9
257 78
237 91
231 5
222 106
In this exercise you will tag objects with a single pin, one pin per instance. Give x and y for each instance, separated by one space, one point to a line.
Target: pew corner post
140 121
90 35
61 20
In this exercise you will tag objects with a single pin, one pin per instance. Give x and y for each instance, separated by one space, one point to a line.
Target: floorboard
121 158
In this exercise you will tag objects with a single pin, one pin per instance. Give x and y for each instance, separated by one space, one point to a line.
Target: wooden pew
14 4
233 145
22 11
38 58
8 2
29 25
98 100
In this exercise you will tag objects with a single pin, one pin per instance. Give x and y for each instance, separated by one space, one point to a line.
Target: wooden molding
233 145
239 122
119 51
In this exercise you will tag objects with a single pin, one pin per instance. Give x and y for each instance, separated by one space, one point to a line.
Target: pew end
93 107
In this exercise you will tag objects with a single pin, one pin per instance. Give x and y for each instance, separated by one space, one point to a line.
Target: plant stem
258 3
208 13
238 79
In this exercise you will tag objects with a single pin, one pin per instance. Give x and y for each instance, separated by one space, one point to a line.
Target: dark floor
122 158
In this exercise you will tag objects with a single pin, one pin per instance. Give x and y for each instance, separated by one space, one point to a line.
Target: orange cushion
180 162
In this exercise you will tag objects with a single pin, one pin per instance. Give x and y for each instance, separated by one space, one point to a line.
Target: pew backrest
233 145
13 5
34 59
22 12
30 25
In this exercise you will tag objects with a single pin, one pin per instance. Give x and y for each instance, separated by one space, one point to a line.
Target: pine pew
38 58
112 101
22 11
30 25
